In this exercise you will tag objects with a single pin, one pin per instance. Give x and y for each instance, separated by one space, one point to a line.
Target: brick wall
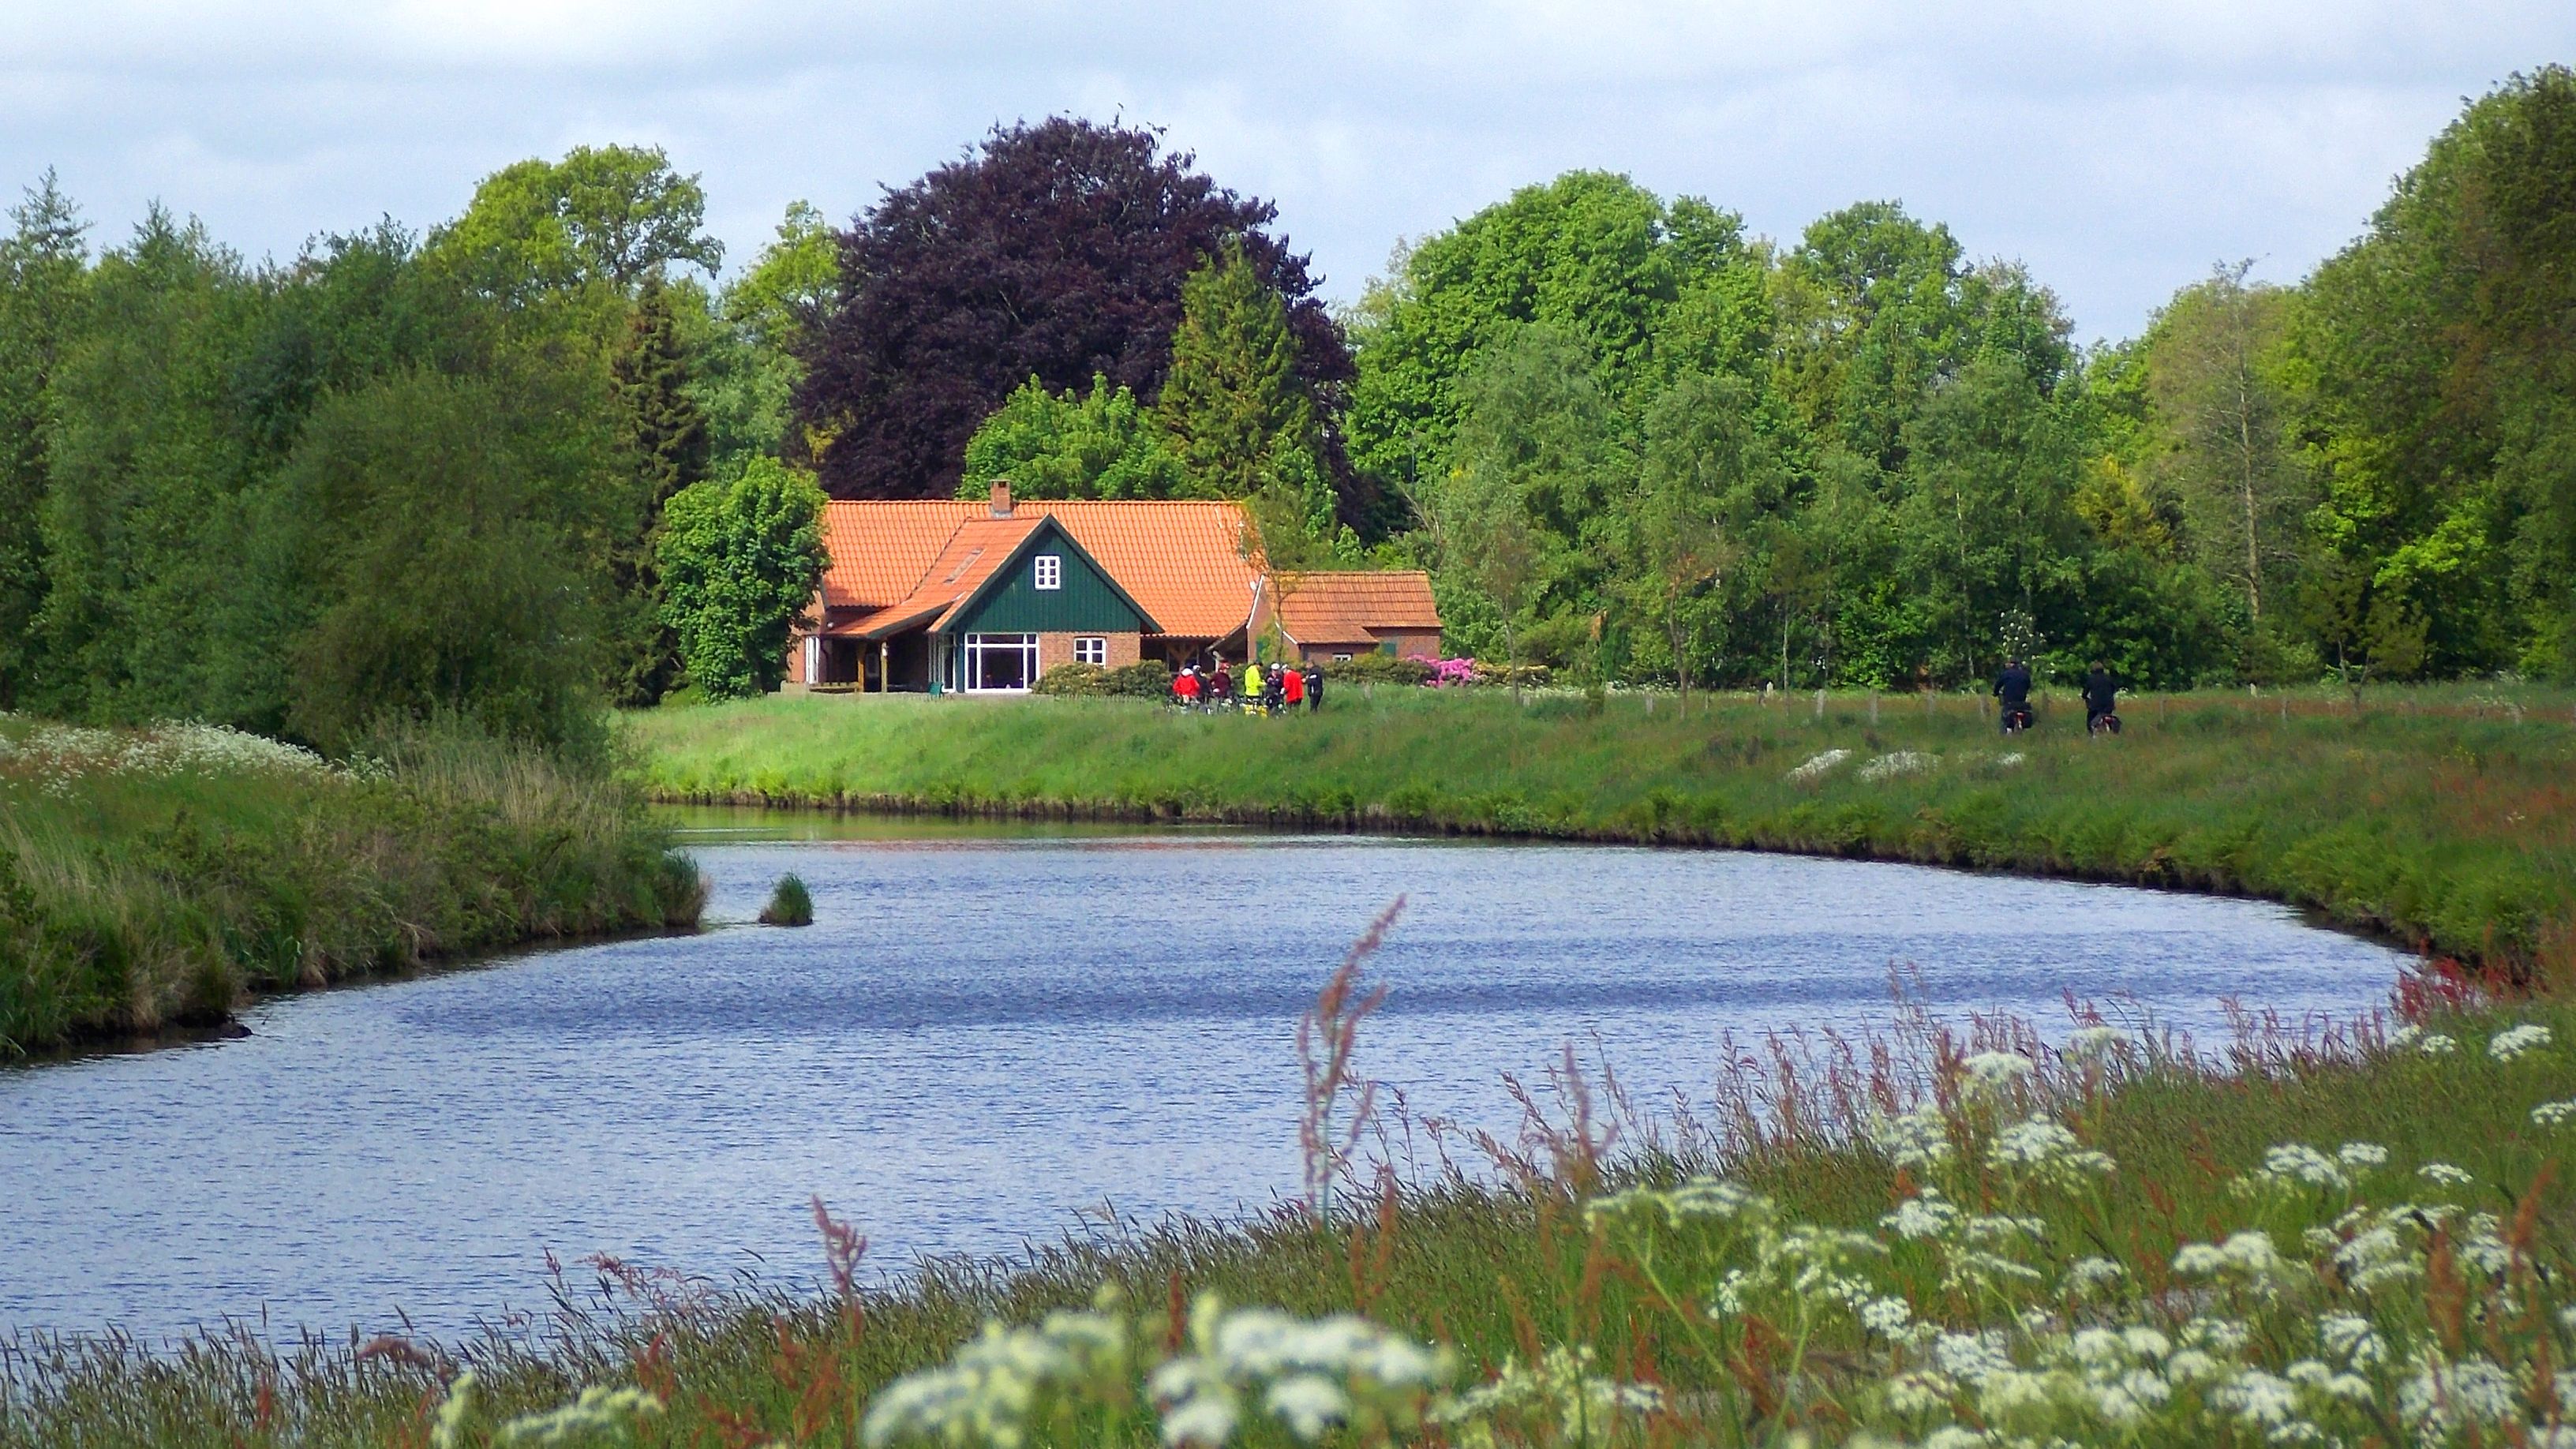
1055 649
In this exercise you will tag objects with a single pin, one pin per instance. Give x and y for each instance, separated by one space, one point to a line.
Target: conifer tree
1233 400
671 454
42 264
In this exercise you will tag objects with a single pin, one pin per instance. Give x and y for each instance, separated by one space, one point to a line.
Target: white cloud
2119 149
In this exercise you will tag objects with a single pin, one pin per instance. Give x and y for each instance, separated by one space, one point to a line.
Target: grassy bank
2369 1239
159 877
2445 817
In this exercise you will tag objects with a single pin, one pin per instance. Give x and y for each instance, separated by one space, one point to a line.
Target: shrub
1144 679
1379 669
1071 679
790 904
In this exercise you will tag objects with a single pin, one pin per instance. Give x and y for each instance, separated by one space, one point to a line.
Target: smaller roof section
1354 608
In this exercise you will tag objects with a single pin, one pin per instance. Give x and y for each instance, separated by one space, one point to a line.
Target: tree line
538 458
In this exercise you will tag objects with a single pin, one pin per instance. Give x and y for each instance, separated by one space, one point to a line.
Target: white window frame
979 646
1091 649
1049 571
1341 659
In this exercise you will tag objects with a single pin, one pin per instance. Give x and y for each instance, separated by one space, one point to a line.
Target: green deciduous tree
2211 364
1681 536
747 382
602 214
1100 444
740 561
439 525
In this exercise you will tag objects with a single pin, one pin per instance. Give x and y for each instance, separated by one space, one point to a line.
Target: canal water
989 1036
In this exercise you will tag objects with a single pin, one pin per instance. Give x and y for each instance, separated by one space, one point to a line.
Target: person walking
1292 689
1314 689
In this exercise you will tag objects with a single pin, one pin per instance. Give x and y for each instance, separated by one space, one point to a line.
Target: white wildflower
1971 1357
1925 1216
1992 1072
2190 1366
1201 1419
2009 761
2362 1154
2404 1036
2084 1275
2297 1163
2097 1041
2435 1044
2258 1398
1308 1404
599 1411
447 1431
2554 1114
1919 1392
1818 765
2352 1339
2444 1174
2511 1044
2046 1148
2442 1395
2218 1335
1900 762
1919 1138
1887 1317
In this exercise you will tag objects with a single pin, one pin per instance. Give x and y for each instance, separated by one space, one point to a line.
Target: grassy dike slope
155 877
2443 817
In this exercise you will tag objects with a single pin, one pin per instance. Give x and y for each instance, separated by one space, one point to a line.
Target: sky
2118 149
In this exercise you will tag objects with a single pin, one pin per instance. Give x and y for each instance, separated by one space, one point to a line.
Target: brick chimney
1001 498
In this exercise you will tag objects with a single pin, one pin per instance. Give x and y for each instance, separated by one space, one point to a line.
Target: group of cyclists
2101 699
1276 689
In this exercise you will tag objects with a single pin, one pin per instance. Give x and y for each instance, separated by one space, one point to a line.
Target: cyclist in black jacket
2013 688
2101 696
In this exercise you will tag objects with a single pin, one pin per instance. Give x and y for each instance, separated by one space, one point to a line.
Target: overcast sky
2119 149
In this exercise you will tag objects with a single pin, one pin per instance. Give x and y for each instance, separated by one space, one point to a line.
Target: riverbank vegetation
2441 816
162 876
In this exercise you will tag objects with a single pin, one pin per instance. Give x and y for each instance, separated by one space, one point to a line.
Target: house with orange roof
1335 616
977 597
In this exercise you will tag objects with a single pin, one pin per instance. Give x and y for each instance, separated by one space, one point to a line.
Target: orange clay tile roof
974 549
1182 562
1350 608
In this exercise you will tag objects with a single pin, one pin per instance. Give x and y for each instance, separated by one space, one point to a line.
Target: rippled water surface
985 1034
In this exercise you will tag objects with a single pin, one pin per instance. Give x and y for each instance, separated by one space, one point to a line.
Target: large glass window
1050 574
1001 662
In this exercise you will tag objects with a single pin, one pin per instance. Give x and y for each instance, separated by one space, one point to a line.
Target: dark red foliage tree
1058 251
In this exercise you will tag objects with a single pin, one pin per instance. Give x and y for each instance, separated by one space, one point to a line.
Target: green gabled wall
1013 603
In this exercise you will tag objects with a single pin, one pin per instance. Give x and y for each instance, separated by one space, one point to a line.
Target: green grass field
151 878
2444 817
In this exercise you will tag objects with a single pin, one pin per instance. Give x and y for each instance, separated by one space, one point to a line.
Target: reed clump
161 876
790 903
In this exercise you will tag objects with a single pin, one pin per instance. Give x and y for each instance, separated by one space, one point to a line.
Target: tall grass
159 877
2443 816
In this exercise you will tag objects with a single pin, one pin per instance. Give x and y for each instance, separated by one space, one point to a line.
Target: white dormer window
1050 571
